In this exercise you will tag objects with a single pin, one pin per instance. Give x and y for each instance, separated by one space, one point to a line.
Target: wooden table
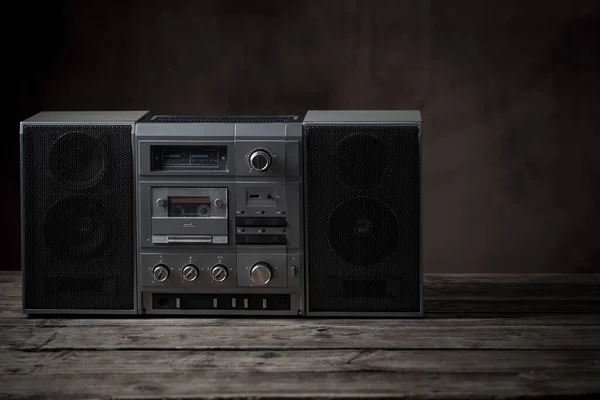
485 336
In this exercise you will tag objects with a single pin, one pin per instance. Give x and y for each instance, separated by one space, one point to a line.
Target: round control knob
261 273
260 160
160 272
219 273
189 272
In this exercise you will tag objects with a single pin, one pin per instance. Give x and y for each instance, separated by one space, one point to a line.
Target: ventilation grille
363 220
78 217
225 119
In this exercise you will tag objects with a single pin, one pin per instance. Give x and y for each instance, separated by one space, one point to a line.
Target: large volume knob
189 272
261 273
260 160
219 273
160 272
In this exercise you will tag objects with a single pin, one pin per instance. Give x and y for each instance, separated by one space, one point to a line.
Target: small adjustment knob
189 272
219 272
260 160
160 272
261 273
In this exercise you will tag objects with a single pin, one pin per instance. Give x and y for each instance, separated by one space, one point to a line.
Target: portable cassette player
125 212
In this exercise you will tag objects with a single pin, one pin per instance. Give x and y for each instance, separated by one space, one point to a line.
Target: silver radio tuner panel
219 215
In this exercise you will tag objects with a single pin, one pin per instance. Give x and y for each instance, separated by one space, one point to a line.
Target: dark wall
508 91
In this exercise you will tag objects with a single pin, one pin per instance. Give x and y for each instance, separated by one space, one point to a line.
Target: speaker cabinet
363 213
77 213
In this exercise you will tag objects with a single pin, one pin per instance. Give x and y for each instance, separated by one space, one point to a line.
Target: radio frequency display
194 157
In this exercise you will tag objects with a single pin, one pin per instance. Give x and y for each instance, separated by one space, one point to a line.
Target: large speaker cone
78 228
77 159
363 231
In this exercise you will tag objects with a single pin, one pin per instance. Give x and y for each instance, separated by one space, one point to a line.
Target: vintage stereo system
136 213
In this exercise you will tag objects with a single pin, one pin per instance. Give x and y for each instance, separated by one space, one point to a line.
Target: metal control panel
220 224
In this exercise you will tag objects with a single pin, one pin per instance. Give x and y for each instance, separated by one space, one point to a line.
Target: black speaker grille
78 217
363 218
256 119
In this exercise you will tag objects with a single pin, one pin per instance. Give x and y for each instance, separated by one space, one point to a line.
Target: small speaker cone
360 161
77 159
78 228
363 231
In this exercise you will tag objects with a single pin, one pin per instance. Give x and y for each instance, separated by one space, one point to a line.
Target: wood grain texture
336 360
307 385
504 352
563 320
323 335
214 383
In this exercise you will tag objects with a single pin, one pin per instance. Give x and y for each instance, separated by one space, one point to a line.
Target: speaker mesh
363 219
78 217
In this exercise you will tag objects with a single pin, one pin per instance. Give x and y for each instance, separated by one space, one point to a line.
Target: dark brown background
508 90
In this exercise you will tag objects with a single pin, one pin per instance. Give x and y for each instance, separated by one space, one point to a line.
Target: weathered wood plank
308 336
10 277
10 309
563 320
215 383
528 349
9 291
70 362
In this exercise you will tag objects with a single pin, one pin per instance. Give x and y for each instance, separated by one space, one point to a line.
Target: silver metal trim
86 117
362 116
